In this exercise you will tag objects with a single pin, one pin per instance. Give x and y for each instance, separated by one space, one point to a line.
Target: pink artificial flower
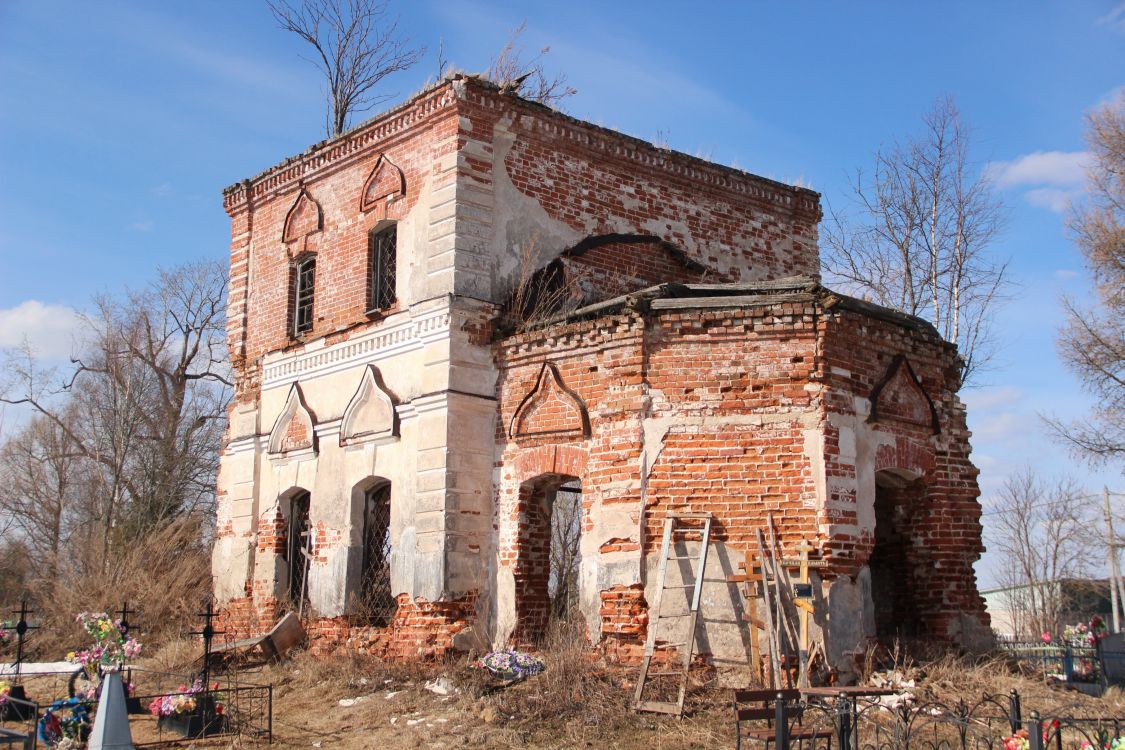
1046 636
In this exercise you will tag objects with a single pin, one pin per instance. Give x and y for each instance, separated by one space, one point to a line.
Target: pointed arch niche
384 185
899 397
304 218
294 433
370 415
550 409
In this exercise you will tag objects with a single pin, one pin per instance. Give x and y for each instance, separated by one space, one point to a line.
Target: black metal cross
208 634
21 630
124 613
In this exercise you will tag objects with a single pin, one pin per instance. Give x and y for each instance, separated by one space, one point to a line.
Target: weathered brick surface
735 393
599 181
739 409
419 630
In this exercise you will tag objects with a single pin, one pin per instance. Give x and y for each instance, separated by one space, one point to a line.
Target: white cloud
1055 168
1065 273
1050 179
163 190
140 226
50 329
1054 199
1112 96
1115 19
1001 426
985 399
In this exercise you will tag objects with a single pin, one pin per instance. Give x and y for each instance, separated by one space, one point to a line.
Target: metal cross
124 613
208 632
21 630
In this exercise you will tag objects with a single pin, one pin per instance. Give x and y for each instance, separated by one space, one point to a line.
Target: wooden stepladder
676 524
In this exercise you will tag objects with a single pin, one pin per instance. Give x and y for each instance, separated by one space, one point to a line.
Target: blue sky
120 123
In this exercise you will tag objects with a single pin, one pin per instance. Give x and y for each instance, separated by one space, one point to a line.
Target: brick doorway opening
547 554
892 562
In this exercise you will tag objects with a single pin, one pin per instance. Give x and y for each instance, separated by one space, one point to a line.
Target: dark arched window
378 603
382 252
304 284
298 548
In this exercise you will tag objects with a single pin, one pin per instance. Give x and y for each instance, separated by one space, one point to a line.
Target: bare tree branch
918 239
1092 344
355 44
1041 533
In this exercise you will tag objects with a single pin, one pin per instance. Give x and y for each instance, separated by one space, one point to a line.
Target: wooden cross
208 632
21 630
802 588
804 606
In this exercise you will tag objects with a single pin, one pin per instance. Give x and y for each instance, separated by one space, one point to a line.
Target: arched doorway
892 560
547 553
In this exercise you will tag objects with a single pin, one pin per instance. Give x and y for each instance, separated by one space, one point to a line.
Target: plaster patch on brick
521 225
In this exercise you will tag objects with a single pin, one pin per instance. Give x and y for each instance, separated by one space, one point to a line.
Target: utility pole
1116 590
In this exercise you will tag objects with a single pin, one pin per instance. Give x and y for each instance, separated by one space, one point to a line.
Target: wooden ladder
675 523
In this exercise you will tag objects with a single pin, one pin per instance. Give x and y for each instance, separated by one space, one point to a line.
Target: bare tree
1092 343
140 414
528 78
566 536
42 475
918 241
356 45
1042 534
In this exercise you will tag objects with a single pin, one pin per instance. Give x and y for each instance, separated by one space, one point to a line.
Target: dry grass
165 577
578 702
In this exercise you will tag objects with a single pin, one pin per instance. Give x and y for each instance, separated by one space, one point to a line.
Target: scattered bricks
419 629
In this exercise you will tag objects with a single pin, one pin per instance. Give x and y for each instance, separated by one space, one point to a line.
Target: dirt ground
360 702
357 703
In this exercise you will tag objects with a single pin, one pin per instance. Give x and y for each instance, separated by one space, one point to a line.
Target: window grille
383 245
298 547
303 302
378 603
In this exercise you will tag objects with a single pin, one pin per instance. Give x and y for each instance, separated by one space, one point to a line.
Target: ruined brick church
444 318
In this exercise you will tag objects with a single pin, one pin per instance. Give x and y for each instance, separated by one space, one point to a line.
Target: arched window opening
376 599
547 554
298 549
383 247
304 285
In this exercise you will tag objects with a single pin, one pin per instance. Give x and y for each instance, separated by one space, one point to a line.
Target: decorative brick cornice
544 122
405 332
408 115
539 121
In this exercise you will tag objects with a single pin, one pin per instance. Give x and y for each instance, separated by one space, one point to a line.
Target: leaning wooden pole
1117 595
775 662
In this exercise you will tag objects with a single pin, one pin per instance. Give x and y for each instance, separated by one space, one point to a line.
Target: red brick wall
419 629
599 181
946 530
754 362
738 389
333 175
